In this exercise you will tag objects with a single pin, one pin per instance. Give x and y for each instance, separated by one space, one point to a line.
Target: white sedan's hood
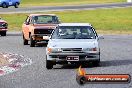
73 43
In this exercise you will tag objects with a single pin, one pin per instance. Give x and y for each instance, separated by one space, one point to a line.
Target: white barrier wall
129 0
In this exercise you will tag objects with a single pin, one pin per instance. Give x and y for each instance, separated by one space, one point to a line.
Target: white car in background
73 43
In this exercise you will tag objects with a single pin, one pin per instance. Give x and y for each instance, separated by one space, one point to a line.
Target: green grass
64 2
104 20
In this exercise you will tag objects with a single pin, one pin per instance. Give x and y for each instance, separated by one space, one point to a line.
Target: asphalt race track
61 8
116 51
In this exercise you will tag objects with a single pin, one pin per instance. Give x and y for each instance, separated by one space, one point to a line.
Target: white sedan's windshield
74 32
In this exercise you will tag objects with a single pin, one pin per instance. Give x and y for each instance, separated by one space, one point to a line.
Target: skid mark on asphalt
16 62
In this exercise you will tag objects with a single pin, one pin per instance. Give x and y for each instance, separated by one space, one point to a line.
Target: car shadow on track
116 63
72 66
41 45
102 64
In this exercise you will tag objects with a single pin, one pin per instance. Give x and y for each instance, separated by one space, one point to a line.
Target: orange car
3 27
37 26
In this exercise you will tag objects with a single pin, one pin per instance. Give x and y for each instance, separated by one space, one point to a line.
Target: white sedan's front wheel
49 64
97 62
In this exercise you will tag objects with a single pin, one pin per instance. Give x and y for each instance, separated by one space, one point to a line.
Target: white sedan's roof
75 24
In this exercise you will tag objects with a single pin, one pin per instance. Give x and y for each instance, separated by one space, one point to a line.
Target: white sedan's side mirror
100 37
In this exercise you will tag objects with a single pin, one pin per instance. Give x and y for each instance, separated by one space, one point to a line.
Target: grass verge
64 2
105 21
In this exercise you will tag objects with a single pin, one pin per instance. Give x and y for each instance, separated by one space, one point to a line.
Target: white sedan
73 43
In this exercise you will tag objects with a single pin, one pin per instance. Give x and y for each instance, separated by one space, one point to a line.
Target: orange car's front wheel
32 42
25 42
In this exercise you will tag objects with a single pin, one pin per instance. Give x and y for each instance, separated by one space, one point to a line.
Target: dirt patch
11 62
3 60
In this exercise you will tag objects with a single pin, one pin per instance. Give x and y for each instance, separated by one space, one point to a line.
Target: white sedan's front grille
71 49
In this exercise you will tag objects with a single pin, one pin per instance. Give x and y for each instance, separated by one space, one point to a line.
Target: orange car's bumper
39 37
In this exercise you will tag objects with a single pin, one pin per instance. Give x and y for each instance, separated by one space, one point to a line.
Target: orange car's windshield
43 19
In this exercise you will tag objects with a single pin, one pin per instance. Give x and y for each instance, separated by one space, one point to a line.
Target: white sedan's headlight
91 49
53 50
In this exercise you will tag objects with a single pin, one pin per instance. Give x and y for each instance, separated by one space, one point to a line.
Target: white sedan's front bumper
83 57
